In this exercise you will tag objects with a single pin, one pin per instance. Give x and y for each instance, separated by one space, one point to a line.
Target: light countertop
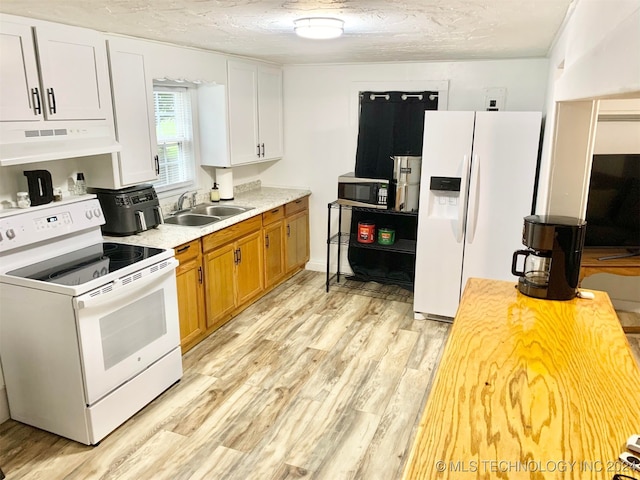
169 236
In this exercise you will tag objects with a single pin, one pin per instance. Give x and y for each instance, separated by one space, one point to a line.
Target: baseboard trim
4 405
322 267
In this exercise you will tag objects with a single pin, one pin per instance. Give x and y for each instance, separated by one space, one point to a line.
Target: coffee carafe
552 261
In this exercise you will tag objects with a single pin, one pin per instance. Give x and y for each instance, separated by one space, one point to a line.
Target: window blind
174 135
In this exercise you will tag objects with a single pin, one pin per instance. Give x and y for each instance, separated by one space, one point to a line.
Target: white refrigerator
477 182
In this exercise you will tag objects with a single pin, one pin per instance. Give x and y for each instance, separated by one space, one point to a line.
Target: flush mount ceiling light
319 28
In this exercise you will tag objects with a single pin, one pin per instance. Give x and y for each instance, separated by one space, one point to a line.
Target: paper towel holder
224 179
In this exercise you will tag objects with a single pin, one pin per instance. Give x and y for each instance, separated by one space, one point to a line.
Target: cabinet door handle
157 162
288 229
183 249
262 145
266 238
200 275
51 96
239 256
258 147
235 257
37 106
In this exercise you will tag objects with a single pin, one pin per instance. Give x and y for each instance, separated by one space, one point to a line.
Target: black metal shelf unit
402 246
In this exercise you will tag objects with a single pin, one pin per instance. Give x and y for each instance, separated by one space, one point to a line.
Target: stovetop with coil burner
86 264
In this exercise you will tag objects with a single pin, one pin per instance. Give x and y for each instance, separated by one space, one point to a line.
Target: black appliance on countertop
552 262
129 210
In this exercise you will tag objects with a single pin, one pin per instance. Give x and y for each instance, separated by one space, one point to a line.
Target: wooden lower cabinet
190 285
233 269
274 246
297 234
249 268
222 273
219 267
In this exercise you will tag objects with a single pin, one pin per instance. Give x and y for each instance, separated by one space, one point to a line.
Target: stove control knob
88 214
96 212
11 234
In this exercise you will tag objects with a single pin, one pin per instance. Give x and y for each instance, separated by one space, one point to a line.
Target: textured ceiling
375 30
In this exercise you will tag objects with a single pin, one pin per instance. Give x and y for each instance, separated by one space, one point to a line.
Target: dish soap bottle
81 187
215 193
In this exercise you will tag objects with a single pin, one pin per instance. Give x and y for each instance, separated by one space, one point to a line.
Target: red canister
366 232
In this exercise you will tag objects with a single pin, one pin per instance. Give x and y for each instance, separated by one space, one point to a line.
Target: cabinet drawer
231 233
273 215
296 206
187 251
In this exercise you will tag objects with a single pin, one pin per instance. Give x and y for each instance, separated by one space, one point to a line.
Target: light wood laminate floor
303 384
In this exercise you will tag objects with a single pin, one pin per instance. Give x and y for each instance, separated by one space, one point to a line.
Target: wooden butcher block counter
529 389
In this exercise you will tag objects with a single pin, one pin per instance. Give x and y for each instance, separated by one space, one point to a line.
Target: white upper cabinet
255 113
73 73
270 112
132 90
69 80
55 99
19 85
244 139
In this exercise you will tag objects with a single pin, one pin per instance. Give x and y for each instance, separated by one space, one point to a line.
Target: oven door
126 326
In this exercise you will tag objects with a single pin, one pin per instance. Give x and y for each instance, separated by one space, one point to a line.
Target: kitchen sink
191 220
219 210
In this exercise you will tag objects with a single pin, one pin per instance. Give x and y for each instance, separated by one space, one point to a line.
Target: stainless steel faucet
181 200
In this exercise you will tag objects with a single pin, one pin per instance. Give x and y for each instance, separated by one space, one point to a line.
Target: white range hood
70 141
21 153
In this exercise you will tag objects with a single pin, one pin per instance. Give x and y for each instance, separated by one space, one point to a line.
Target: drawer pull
183 249
275 211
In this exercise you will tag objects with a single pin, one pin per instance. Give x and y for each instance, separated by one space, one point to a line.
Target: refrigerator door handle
462 210
474 193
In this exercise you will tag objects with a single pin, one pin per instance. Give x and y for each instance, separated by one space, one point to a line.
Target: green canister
386 236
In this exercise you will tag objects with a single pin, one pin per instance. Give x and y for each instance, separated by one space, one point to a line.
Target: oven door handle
88 301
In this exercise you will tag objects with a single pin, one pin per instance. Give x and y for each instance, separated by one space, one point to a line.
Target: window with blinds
174 133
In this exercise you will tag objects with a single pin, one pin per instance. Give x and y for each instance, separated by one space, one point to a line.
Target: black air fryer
129 210
552 262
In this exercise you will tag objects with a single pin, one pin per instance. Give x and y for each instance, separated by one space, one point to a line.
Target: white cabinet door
73 70
19 88
270 112
132 90
243 112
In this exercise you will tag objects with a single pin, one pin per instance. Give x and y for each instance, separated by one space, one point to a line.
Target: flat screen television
613 206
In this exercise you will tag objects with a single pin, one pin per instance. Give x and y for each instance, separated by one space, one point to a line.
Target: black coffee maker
552 262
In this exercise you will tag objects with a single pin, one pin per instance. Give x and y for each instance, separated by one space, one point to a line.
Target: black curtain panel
391 123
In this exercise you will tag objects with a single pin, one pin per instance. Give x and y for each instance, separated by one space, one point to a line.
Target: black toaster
129 210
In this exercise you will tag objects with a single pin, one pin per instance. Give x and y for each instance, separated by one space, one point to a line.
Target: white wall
596 55
321 117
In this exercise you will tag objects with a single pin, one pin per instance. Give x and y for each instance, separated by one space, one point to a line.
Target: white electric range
89 330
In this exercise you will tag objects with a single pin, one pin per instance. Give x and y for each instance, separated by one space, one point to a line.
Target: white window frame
191 181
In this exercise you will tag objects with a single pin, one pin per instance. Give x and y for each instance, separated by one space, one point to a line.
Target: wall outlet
494 99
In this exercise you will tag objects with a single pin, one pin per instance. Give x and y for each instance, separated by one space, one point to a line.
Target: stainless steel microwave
363 192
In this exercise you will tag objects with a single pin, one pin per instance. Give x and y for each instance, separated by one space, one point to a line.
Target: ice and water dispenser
444 197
